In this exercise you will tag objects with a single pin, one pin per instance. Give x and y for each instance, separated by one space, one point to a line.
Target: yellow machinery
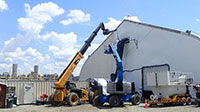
66 92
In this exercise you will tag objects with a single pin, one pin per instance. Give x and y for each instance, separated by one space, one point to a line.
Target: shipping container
27 91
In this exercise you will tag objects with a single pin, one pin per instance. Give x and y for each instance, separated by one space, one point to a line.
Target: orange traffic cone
146 105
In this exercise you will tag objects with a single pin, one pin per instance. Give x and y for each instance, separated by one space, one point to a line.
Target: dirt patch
106 108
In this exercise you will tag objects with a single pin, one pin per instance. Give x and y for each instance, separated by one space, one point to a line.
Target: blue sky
50 32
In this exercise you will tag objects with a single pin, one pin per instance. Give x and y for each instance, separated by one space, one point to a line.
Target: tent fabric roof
153 26
2 83
129 22
163 28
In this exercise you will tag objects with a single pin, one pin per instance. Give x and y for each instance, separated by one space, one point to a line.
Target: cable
132 70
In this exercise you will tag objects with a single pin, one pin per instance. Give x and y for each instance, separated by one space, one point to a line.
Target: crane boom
72 65
63 90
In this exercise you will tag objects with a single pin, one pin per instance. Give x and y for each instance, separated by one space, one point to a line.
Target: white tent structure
149 45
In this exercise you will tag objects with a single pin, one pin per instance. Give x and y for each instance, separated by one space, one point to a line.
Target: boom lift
118 90
65 91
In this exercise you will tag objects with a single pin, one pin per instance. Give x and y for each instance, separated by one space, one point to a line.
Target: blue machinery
113 50
119 91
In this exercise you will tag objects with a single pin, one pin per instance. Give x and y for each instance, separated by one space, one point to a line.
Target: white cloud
6 67
3 5
76 16
45 37
33 23
47 57
63 40
198 20
112 23
27 57
63 45
38 16
64 48
8 41
13 43
53 68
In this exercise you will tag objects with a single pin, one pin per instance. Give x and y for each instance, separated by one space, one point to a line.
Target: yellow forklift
65 91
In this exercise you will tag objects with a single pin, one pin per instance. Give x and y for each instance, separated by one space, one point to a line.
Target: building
36 69
149 45
5 75
14 70
50 76
35 73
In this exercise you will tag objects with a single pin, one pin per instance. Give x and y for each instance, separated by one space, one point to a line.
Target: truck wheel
96 101
199 103
135 99
189 101
72 99
114 101
51 101
91 94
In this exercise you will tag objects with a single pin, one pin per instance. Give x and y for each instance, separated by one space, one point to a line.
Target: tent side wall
149 45
99 65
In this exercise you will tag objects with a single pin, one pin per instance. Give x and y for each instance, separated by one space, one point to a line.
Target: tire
91 94
114 101
96 101
135 99
72 99
199 103
184 101
52 102
189 102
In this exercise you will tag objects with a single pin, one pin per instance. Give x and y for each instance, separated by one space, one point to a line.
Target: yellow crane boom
61 92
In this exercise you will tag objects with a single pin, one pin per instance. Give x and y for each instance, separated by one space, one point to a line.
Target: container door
146 90
28 93
2 95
